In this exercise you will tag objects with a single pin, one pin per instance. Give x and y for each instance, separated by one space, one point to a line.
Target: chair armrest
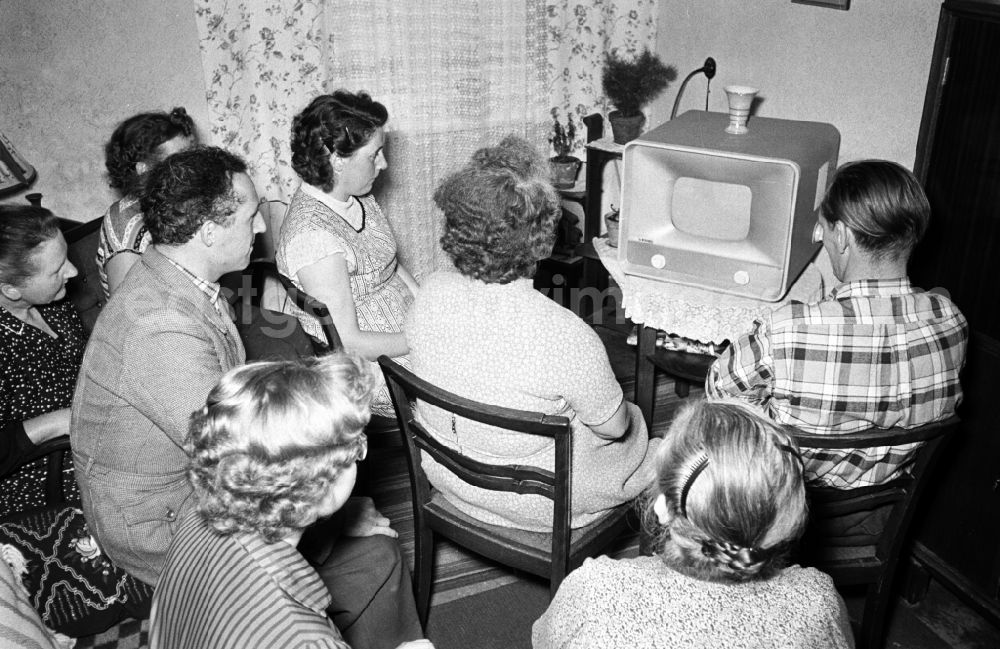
55 450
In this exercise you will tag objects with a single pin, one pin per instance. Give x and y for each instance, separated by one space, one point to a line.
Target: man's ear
141 167
661 510
207 233
10 292
842 236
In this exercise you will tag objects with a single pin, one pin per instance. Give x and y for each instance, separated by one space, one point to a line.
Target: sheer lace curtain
455 75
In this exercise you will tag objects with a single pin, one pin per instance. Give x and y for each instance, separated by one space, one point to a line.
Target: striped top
874 354
20 625
238 592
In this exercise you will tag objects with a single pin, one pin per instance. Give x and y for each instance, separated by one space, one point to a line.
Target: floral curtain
455 75
579 34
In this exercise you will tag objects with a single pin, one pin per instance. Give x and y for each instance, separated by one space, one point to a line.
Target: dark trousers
372 593
370 584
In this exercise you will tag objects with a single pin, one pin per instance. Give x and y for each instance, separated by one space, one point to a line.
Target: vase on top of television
630 83
565 166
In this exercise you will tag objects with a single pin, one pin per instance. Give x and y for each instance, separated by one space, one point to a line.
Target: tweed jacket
158 348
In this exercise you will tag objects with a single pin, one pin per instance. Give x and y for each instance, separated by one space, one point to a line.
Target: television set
728 213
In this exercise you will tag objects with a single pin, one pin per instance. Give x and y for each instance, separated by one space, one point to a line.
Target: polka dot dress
37 375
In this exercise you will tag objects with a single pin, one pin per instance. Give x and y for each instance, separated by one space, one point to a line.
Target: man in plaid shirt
876 352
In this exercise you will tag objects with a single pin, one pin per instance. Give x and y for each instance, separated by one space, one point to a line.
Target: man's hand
362 519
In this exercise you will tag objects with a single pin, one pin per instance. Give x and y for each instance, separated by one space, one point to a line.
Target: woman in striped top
274 449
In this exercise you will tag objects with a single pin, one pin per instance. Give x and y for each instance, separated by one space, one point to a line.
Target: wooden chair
379 428
260 270
870 560
550 554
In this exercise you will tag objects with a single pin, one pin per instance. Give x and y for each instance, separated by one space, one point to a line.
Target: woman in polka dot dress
41 346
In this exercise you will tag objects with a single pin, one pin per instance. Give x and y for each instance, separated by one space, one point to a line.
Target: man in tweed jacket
875 353
159 346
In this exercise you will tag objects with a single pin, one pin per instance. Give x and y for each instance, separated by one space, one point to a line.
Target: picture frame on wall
843 5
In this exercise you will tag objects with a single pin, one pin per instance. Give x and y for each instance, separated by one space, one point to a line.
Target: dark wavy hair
188 189
22 229
500 212
882 203
136 140
272 440
340 123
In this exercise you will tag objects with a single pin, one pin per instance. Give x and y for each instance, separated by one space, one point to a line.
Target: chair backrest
902 493
406 387
269 334
56 453
310 305
834 549
84 290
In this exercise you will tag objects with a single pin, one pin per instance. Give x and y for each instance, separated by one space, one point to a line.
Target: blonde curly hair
273 438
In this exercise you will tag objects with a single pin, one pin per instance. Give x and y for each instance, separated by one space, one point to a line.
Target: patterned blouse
509 345
312 231
123 231
643 604
37 376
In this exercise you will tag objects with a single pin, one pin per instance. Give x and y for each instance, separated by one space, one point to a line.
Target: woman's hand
329 281
48 426
362 519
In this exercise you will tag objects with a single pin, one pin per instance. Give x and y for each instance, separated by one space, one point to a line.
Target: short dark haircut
340 123
22 229
882 203
136 139
500 213
188 189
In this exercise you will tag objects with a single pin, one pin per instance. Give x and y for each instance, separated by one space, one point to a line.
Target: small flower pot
611 220
565 171
625 129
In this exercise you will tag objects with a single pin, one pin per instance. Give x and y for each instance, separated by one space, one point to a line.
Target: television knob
658 261
741 277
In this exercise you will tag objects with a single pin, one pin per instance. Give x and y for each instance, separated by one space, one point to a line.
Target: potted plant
565 166
630 84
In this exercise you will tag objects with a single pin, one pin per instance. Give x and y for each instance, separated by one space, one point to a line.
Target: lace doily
700 314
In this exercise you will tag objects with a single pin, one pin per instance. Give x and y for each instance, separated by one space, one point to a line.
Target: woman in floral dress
335 242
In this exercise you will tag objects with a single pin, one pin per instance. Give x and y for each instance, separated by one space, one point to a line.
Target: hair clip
791 450
701 461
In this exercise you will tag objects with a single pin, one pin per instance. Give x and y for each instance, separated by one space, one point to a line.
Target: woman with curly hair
274 450
335 242
730 504
484 333
136 145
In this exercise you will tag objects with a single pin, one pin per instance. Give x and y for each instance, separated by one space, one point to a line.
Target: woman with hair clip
730 504
136 145
335 242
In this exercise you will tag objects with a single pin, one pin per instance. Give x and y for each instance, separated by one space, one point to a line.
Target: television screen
731 213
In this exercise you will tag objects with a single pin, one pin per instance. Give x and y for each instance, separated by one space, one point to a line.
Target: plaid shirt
212 290
874 354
